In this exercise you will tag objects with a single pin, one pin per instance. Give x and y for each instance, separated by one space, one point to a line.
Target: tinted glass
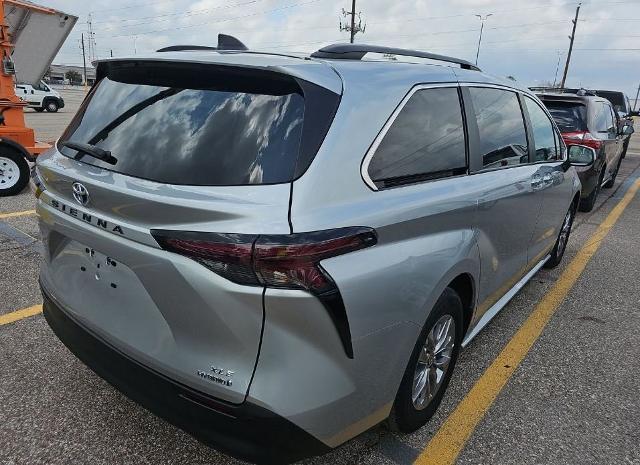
543 132
617 99
427 137
613 127
193 130
602 118
503 139
569 116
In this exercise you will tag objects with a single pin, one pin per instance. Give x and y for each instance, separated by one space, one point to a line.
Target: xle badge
217 375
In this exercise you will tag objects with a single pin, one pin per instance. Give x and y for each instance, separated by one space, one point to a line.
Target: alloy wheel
433 361
564 232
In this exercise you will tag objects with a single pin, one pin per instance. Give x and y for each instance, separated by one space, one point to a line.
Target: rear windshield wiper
91 150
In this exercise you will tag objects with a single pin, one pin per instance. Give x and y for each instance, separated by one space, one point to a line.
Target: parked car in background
589 120
40 97
622 106
276 253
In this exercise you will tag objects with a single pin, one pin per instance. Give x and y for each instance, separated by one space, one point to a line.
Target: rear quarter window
425 141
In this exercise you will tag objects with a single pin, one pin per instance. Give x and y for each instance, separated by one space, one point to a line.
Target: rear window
569 116
202 124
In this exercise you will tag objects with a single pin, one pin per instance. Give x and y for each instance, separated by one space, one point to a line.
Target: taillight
292 261
229 255
285 261
582 138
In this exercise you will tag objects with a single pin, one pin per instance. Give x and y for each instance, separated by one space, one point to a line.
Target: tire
587 204
51 106
14 171
612 181
39 109
405 415
563 237
625 147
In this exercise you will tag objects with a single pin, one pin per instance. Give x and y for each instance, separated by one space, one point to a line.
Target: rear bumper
245 431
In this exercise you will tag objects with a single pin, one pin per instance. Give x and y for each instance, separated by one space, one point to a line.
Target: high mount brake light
285 261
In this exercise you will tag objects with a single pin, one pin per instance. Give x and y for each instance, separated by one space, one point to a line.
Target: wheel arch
462 277
13 145
465 286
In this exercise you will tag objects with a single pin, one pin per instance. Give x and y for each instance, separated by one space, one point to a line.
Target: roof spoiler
564 90
225 42
358 51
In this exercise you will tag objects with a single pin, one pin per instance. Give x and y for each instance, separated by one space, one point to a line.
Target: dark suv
589 120
622 106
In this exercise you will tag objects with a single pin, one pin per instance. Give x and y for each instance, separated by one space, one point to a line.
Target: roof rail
358 51
225 42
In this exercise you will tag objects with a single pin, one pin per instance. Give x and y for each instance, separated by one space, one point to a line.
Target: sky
525 39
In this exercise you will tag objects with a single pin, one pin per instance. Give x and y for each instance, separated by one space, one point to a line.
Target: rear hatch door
199 150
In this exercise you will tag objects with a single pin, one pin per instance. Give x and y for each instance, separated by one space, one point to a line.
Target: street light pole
482 20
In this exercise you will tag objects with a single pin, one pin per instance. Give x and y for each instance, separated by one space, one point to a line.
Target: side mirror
627 130
581 155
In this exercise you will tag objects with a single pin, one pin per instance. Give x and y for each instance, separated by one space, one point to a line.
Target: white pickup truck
40 97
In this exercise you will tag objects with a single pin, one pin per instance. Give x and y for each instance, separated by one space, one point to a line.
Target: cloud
521 38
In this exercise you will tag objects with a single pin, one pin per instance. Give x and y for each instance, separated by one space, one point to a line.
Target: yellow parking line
20 314
446 445
14 214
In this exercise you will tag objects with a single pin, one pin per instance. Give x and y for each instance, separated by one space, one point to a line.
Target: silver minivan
277 252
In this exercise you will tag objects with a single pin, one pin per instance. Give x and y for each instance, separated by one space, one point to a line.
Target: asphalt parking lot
569 396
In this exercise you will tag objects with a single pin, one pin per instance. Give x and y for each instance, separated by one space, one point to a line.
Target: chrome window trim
557 133
364 166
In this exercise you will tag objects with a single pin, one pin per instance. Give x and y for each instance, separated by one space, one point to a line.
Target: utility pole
571 38
482 20
555 77
353 20
84 62
353 28
91 42
635 103
111 52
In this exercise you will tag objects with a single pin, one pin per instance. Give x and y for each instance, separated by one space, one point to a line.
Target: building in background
67 74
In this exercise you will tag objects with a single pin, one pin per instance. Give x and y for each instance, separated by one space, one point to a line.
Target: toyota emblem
80 193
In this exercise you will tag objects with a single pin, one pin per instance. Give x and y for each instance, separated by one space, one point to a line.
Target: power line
222 20
169 16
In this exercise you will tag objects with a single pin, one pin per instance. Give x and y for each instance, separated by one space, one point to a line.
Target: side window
503 139
425 141
602 118
613 126
543 132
